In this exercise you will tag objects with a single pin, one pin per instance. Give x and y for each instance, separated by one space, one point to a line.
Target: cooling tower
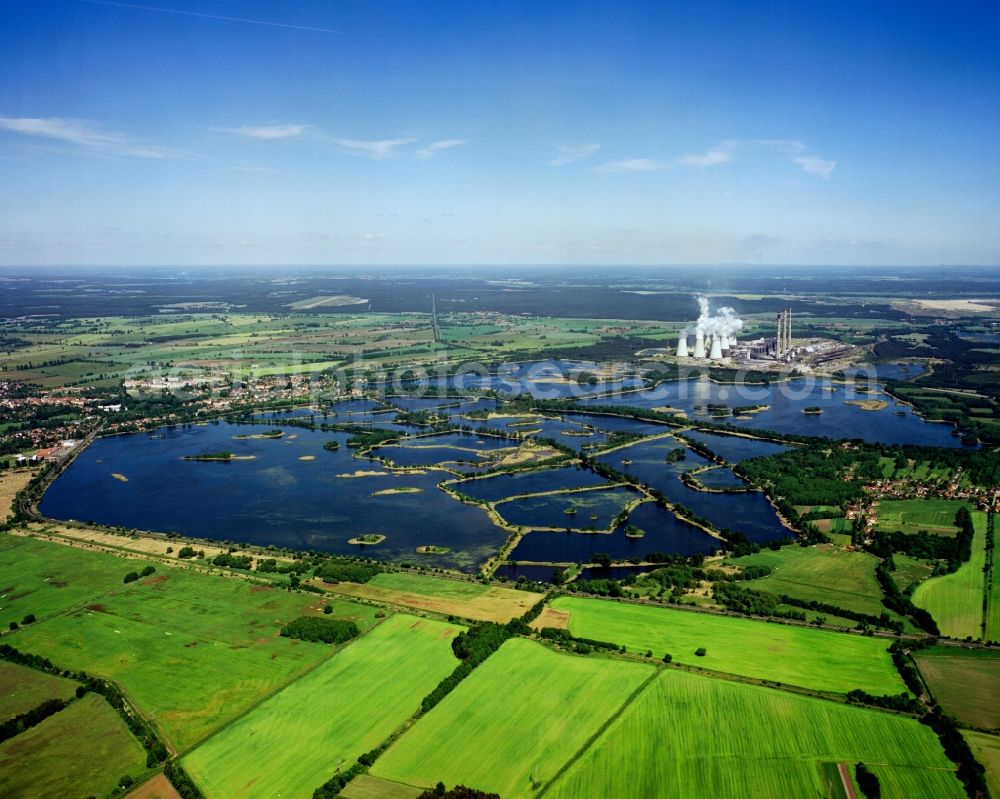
682 346
716 349
699 345
725 342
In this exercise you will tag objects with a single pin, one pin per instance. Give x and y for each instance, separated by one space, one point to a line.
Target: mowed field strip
518 717
297 739
993 616
23 689
468 600
43 578
80 751
936 516
987 751
965 682
823 572
816 659
193 651
690 737
956 600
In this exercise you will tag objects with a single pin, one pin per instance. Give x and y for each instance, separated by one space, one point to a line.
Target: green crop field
42 578
429 586
519 717
956 600
192 650
912 515
817 659
910 571
986 748
81 751
824 572
22 689
688 736
345 707
966 683
993 614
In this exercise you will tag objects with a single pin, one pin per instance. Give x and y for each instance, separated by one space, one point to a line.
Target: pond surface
784 413
583 510
735 448
720 477
276 498
492 489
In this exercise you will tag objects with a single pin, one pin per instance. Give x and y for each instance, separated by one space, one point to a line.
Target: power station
715 338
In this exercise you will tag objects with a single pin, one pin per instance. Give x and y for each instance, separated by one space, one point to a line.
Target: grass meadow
193 651
295 741
993 614
810 658
956 600
966 683
913 515
452 597
823 572
22 689
987 751
43 578
81 751
690 737
518 717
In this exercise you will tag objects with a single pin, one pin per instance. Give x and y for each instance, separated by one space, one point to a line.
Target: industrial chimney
699 345
716 349
682 345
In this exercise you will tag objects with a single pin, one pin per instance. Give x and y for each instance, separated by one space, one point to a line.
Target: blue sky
217 132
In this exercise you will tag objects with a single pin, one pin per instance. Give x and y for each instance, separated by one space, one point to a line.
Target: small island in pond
218 457
813 410
268 434
631 531
432 549
368 539
400 490
868 404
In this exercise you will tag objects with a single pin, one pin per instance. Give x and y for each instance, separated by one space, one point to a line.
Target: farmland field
22 689
823 572
913 515
345 707
993 615
193 651
956 600
987 751
688 736
817 659
453 597
519 717
42 578
80 751
966 683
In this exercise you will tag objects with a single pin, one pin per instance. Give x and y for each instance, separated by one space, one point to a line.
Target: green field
345 707
986 748
429 586
993 613
956 600
913 515
519 717
910 571
691 737
42 578
22 689
81 751
966 683
817 659
824 572
194 651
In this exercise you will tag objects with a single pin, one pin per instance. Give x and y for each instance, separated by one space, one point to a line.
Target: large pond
785 403
293 493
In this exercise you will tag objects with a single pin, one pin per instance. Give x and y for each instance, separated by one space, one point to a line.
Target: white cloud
571 153
435 147
382 148
632 165
87 135
265 131
717 155
815 165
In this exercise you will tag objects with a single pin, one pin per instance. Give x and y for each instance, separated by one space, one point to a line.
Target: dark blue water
735 448
275 499
592 510
786 402
664 533
533 574
721 477
887 371
494 488
612 572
